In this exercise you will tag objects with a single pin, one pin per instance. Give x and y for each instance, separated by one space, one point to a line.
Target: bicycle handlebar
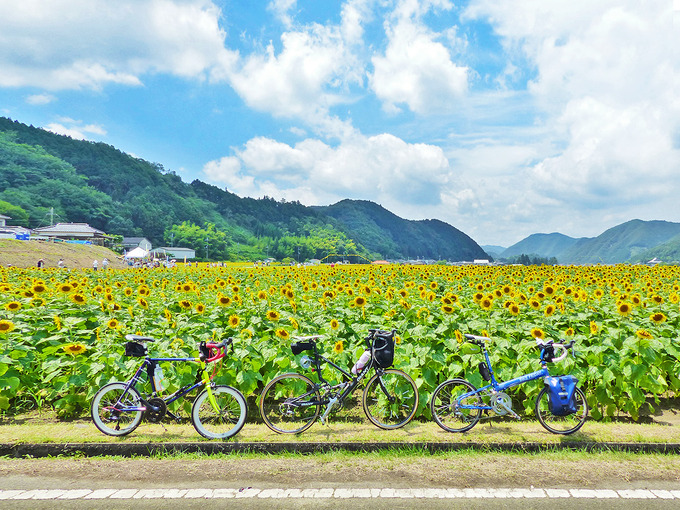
475 339
550 343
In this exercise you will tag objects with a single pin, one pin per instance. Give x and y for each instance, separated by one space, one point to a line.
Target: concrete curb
41 450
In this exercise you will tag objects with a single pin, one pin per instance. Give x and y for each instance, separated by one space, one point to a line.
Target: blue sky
502 118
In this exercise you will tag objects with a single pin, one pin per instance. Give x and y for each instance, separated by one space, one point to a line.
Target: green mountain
633 241
667 252
544 245
386 233
45 176
623 243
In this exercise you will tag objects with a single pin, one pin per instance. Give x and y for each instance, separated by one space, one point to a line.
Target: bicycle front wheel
115 409
223 420
290 404
390 399
561 424
450 411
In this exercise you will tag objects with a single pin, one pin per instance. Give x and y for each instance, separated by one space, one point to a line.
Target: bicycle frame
351 382
497 387
149 365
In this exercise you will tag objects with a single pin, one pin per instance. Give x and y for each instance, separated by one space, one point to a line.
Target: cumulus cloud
382 168
75 129
417 70
303 80
606 76
87 44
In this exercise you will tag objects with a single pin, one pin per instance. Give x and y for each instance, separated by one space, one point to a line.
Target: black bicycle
292 402
218 412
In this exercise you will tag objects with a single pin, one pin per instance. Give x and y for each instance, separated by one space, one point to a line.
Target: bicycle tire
445 410
233 410
286 404
395 408
564 425
110 420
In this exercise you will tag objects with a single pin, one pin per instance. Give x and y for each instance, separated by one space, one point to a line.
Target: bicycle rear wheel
446 406
108 409
561 424
290 404
225 421
390 399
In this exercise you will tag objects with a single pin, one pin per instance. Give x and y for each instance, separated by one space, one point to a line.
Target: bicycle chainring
501 403
156 416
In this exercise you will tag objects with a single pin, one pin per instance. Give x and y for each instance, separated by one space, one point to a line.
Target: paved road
301 482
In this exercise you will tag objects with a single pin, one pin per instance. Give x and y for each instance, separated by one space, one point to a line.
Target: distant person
105 264
41 263
94 264
60 264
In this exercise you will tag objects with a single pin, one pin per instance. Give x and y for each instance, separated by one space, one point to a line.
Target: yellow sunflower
112 323
6 326
200 308
78 299
282 333
38 288
593 328
74 349
234 321
359 301
657 318
338 347
13 306
643 333
223 300
537 333
335 324
624 309
186 304
273 315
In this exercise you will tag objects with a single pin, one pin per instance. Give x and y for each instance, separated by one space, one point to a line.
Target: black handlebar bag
383 350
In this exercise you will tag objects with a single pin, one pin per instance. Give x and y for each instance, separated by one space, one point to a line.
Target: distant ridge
632 241
545 245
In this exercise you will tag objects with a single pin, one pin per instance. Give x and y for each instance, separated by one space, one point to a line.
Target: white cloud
382 168
75 129
40 99
304 80
606 80
416 69
75 44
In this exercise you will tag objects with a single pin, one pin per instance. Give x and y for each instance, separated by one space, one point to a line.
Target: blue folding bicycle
561 406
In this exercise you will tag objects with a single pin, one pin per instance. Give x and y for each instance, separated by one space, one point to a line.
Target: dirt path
344 470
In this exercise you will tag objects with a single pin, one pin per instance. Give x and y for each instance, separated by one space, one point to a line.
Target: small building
130 243
79 232
174 252
3 219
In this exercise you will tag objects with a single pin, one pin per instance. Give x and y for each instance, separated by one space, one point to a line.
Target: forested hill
98 184
372 225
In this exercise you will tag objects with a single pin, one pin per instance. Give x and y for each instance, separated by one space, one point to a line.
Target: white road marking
339 493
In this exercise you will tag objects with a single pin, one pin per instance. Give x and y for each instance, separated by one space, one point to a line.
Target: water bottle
158 378
361 362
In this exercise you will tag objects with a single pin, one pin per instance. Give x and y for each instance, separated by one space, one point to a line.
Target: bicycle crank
155 410
502 405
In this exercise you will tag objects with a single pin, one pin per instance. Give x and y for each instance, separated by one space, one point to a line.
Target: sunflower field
62 332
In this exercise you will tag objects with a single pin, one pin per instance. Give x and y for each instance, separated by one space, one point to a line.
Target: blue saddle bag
561 393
